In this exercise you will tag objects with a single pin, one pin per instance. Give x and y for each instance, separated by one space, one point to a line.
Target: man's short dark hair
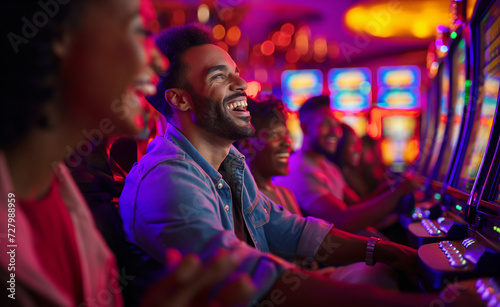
173 43
312 105
265 112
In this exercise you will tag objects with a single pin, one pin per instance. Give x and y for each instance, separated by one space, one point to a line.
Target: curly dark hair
29 66
173 43
265 112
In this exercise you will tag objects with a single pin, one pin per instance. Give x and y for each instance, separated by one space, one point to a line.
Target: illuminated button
494 300
219 185
444 244
458 263
479 283
226 207
487 293
453 255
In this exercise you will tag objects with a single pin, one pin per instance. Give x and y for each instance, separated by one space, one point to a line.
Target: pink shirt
310 180
55 242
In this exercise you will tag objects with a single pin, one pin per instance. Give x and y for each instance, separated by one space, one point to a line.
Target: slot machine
398 107
430 113
350 96
478 180
454 79
297 86
436 228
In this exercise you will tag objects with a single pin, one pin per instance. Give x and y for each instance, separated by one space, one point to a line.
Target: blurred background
374 58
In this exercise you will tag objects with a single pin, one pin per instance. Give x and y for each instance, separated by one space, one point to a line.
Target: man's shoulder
162 151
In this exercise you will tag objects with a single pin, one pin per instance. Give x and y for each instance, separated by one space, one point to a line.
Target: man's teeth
283 155
236 104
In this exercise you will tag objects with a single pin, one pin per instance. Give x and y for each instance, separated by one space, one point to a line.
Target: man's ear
178 98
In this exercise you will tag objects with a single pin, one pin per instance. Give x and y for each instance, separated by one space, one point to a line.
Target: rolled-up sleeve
290 235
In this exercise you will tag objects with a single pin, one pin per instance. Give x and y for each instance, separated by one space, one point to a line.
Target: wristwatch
370 248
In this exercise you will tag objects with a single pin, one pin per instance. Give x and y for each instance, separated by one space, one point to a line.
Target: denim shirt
173 198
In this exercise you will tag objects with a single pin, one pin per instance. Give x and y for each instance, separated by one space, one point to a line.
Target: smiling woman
68 82
60 83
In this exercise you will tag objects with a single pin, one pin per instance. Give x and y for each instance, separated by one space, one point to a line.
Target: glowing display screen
350 89
487 98
299 85
444 87
398 148
458 90
399 87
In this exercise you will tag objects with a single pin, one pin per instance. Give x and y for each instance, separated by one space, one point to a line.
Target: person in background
371 163
267 152
61 89
193 191
347 157
318 183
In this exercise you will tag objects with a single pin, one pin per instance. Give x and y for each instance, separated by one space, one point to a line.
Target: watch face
370 247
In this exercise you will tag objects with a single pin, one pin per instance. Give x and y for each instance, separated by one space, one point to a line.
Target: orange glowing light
302 43
223 46
397 18
233 35
219 31
320 47
267 48
288 28
253 89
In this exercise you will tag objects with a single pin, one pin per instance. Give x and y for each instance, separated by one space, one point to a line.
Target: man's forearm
340 247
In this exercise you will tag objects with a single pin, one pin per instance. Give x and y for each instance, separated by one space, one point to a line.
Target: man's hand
398 256
191 284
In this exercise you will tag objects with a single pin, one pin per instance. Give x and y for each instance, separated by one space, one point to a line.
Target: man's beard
316 145
209 116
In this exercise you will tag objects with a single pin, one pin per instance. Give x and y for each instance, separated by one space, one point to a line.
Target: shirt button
226 207
219 186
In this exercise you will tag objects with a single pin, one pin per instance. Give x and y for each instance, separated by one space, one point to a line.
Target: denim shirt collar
234 158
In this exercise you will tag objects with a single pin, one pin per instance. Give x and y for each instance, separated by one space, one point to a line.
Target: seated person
347 157
318 184
267 152
371 163
57 86
193 191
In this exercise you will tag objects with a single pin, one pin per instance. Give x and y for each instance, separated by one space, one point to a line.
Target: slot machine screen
350 89
458 90
399 87
428 125
486 105
398 133
299 85
444 89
